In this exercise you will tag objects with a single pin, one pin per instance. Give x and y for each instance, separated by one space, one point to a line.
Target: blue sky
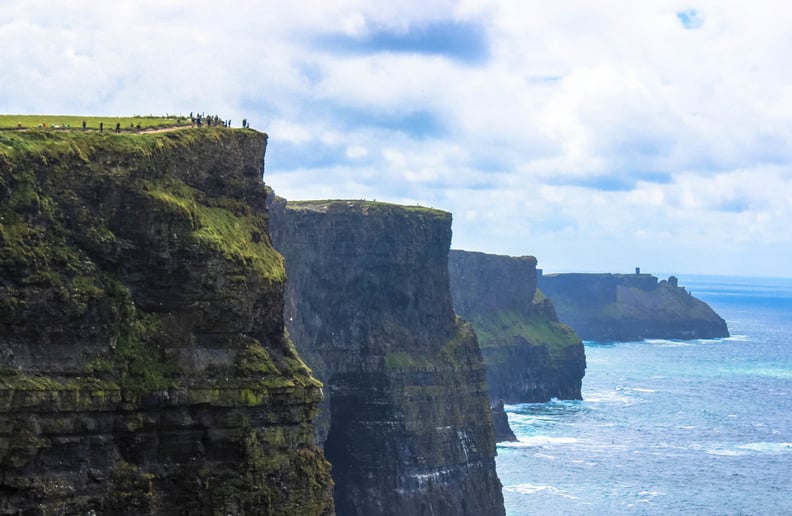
597 136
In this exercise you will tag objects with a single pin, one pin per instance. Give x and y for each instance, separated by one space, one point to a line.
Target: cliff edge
406 422
530 355
623 307
144 367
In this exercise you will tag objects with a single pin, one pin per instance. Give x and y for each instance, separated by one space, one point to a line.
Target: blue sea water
669 427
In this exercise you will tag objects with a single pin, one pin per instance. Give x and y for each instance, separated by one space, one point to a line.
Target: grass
239 237
499 329
92 122
45 146
362 206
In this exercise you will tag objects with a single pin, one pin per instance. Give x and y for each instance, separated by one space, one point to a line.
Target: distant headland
623 307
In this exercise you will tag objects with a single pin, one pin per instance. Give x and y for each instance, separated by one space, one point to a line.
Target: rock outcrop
530 356
407 424
144 367
503 431
623 307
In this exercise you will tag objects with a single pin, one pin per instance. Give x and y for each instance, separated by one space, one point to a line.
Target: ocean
669 427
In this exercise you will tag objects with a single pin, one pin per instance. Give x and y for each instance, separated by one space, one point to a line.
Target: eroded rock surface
530 355
144 367
406 424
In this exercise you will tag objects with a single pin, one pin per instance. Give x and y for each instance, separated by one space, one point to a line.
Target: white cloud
356 151
593 135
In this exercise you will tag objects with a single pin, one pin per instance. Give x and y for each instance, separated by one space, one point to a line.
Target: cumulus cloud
594 135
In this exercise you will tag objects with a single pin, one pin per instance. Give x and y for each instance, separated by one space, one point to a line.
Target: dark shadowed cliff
144 367
621 307
530 356
407 422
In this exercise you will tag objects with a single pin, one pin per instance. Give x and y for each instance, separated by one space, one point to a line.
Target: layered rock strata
144 367
623 307
503 431
530 355
407 422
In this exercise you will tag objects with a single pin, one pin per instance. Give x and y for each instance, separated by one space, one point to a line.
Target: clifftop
143 362
362 207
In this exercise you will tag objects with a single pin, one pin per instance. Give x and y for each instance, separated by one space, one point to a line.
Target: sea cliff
530 356
623 307
406 422
144 366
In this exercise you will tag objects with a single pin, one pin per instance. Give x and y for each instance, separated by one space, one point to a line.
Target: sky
598 136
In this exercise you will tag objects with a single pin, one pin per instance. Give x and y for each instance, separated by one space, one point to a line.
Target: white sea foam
650 493
527 488
668 343
554 402
611 397
538 440
738 450
656 341
771 372
727 452
765 447
767 371
537 488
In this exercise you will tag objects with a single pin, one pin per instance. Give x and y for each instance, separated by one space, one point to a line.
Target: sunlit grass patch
92 122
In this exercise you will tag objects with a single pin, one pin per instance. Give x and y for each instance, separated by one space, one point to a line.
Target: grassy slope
498 330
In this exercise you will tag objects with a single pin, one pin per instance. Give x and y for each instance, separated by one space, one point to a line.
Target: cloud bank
597 136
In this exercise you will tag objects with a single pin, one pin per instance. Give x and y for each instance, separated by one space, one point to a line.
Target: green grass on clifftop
364 207
52 144
74 122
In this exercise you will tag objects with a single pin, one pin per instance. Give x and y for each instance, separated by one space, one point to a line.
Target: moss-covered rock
529 354
144 365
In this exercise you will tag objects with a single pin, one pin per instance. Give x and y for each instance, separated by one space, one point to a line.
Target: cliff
406 424
144 367
622 307
503 432
530 356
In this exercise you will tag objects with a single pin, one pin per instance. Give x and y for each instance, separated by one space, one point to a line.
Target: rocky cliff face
622 307
530 356
407 424
144 367
503 432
